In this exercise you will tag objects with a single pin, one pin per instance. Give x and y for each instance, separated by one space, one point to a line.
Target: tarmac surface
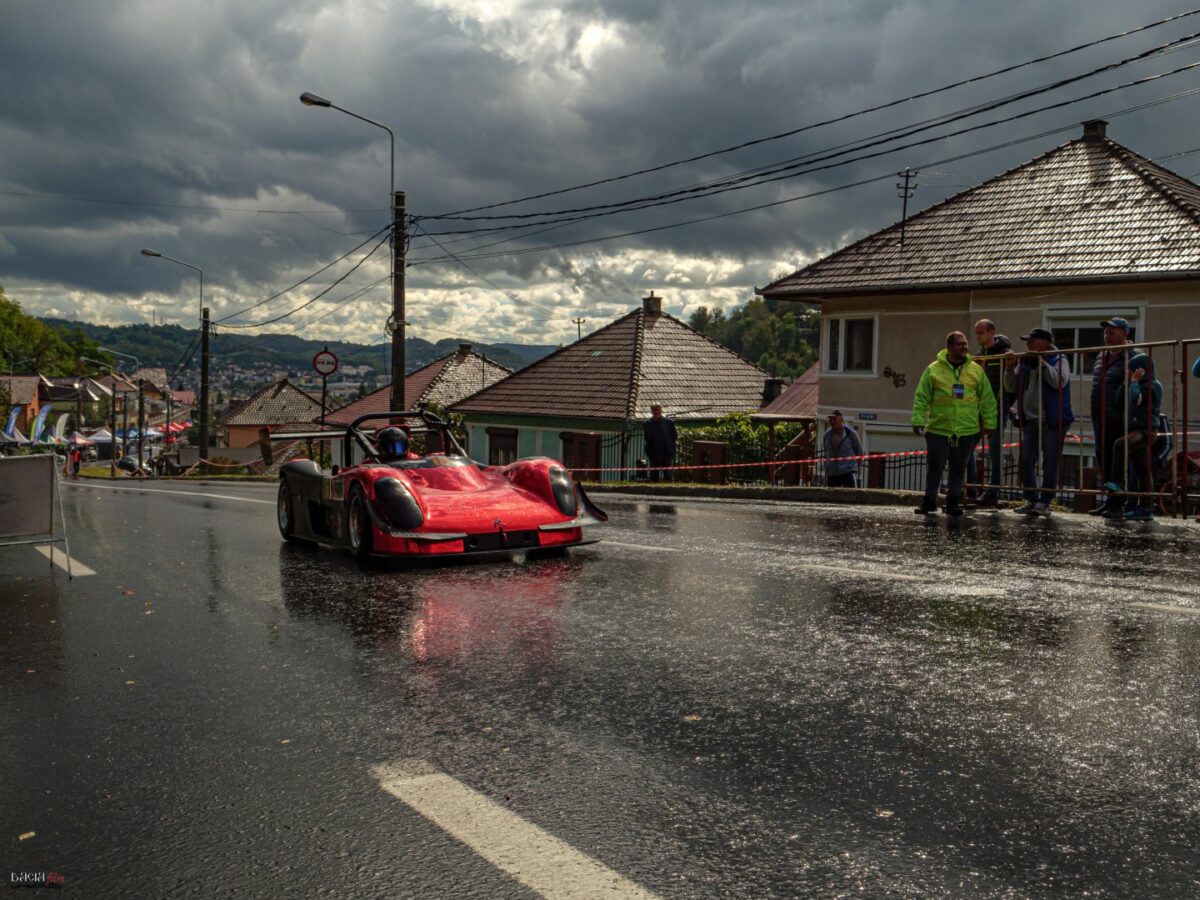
717 700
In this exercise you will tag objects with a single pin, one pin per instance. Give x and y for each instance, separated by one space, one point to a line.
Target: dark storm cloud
184 104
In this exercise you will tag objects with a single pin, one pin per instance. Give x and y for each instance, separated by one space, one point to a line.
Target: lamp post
203 350
396 323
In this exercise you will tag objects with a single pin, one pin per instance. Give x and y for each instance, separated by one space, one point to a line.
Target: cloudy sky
177 126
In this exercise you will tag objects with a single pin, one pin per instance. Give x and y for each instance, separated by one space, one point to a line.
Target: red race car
438 503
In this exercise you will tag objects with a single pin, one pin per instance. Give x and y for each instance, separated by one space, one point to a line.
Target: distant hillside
167 346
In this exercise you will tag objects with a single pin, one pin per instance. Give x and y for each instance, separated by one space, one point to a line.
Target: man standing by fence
991 344
1043 412
953 398
840 446
1108 414
659 437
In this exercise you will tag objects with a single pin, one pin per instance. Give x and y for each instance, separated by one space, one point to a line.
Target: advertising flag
60 427
39 423
12 419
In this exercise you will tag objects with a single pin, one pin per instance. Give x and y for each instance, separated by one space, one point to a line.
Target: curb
857 496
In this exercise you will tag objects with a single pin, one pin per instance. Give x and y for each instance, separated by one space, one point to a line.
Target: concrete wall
912 328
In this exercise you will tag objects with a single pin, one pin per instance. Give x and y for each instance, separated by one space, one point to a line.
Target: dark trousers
1048 444
943 450
846 479
994 449
1107 435
657 472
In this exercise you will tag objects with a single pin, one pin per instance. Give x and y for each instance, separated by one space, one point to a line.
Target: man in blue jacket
840 442
1041 382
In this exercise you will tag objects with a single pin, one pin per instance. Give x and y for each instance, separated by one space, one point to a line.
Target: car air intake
398 506
564 491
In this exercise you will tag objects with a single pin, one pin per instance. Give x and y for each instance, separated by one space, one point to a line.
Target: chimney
464 349
772 388
652 305
1094 130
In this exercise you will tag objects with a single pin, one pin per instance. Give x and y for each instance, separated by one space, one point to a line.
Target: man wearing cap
991 344
1108 415
841 447
1040 383
952 398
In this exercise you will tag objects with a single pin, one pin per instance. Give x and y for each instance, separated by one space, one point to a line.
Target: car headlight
564 491
397 505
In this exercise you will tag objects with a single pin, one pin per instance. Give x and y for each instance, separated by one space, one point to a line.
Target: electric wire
837 119
758 176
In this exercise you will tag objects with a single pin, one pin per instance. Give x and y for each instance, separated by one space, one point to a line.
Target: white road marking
1165 607
521 849
108 487
608 543
60 559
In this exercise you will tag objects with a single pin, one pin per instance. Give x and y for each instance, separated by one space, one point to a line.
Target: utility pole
579 327
112 427
204 384
396 323
906 191
141 418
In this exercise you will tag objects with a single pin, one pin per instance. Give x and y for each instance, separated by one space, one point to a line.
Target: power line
758 176
302 281
266 340
307 303
878 153
842 118
884 177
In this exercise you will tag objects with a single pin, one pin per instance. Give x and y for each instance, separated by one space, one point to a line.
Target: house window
1081 328
851 344
502 446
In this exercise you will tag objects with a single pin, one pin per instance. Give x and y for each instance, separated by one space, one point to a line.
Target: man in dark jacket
991 344
1143 398
1041 384
659 436
1108 415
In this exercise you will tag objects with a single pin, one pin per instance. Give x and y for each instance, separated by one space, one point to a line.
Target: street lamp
396 320
146 251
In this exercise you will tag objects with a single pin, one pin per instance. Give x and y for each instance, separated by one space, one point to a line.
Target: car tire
359 530
285 513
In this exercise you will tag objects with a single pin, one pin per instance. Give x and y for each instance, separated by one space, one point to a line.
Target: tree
28 344
785 344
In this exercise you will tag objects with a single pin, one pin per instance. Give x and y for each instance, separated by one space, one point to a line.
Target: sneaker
1140 514
1041 509
1114 511
953 509
923 510
1029 509
1099 509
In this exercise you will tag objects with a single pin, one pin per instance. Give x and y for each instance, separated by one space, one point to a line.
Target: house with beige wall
1084 232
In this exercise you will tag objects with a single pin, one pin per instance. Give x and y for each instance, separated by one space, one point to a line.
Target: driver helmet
392 442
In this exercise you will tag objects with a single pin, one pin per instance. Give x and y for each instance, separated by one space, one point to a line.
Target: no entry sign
325 363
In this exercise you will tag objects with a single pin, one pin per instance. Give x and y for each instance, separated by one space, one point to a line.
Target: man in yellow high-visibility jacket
954 403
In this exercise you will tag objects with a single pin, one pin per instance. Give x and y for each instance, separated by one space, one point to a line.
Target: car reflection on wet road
716 700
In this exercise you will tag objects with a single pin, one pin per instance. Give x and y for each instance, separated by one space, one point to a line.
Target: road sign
325 363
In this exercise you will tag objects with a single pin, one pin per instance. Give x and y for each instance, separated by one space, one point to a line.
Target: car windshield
431 462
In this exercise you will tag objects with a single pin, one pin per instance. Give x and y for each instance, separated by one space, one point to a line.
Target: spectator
1143 395
990 344
840 445
952 398
76 457
1044 414
1108 416
659 435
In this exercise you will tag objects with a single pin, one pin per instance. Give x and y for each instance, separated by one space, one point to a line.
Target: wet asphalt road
719 700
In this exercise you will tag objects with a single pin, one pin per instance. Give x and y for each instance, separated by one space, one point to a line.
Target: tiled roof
616 372
21 388
798 400
184 398
277 404
156 377
1090 209
444 381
